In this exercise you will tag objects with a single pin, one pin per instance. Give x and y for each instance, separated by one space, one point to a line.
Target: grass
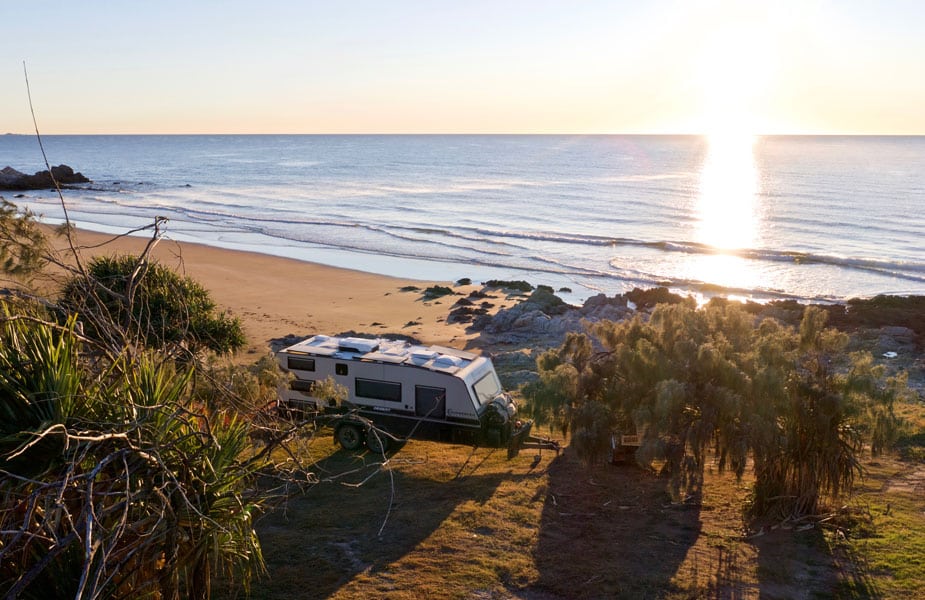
887 537
450 521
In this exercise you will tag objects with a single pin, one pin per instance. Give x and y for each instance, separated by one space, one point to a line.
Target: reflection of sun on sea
728 186
726 220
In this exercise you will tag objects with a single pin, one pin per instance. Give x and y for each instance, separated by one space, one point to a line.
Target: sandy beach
275 297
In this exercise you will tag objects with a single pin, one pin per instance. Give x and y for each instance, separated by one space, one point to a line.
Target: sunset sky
473 66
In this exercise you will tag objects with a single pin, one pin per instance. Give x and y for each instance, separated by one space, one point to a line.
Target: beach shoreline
280 299
277 297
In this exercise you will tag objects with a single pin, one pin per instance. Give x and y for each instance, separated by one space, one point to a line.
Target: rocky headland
11 179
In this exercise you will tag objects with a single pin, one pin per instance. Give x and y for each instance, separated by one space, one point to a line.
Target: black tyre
377 442
349 436
493 437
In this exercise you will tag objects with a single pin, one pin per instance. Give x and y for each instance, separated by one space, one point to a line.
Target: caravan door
430 402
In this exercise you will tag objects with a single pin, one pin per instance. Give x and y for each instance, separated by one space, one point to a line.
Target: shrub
125 301
22 244
437 291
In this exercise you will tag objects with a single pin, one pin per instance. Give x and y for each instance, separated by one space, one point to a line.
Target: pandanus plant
111 483
711 383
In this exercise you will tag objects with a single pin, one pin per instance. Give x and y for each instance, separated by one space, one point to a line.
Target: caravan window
487 388
340 368
430 402
301 364
378 390
302 385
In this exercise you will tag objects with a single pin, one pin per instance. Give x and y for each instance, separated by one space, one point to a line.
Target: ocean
812 218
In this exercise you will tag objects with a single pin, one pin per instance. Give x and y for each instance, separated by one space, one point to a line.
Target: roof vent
423 355
358 345
446 362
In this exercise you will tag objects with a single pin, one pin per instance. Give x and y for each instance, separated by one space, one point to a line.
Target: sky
464 66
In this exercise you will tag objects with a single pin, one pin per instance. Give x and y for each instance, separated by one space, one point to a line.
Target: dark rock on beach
11 179
649 298
543 319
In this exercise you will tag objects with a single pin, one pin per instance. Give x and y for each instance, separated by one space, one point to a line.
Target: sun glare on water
726 221
734 74
728 191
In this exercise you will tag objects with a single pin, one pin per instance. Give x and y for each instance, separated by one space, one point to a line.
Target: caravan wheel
349 436
377 442
493 437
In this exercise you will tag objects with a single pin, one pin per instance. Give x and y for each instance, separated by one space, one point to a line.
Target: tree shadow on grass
795 564
610 532
337 531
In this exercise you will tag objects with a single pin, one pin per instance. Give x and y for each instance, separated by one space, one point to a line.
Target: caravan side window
300 364
302 385
378 390
340 368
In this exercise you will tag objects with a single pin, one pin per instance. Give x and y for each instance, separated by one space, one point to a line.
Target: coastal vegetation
114 484
697 384
22 244
120 475
144 302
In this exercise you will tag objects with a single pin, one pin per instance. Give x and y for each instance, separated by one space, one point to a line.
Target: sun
734 76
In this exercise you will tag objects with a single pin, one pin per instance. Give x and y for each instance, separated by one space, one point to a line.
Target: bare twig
67 219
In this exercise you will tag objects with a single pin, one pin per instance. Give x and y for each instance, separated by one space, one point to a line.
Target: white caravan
402 389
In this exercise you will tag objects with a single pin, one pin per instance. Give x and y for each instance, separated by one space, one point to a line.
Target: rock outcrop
515 368
544 319
895 338
11 179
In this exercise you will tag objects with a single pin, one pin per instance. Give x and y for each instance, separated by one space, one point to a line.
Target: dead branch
67 219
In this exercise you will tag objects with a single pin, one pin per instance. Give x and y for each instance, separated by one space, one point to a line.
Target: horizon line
409 134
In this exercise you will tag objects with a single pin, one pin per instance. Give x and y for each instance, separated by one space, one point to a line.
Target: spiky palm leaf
111 485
